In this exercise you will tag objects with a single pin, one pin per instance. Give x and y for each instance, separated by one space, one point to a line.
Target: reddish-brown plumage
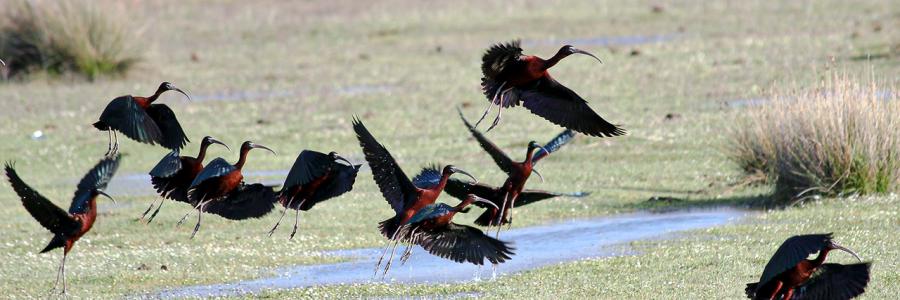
786 282
515 183
87 221
301 192
426 196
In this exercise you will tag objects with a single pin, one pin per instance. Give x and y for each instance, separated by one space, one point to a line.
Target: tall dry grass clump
60 37
841 137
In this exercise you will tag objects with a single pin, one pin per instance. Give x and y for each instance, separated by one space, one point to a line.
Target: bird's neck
819 260
549 63
462 205
529 156
240 164
202 154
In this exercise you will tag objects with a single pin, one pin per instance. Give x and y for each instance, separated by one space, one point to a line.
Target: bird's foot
153 216
293 232
145 213
272 231
196 228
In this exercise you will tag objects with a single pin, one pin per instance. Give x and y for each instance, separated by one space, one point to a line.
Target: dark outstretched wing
532 196
560 105
216 168
498 56
461 243
503 161
247 201
835 281
96 179
554 144
169 165
127 117
393 183
173 137
791 252
309 166
341 183
429 177
460 190
45 212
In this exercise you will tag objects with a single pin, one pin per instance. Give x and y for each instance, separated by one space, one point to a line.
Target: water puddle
626 40
351 90
536 247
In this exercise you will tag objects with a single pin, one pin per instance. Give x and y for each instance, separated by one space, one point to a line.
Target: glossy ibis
432 228
791 275
67 227
511 78
173 175
220 189
141 120
403 196
518 172
315 177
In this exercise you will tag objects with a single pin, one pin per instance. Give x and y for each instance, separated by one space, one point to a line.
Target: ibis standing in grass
433 229
173 175
791 275
315 177
518 173
141 120
512 78
67 227
220 189
403 196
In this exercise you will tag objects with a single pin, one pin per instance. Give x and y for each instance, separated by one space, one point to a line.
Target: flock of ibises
511 78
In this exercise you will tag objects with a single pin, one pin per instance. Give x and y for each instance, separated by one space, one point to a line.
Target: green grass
725 51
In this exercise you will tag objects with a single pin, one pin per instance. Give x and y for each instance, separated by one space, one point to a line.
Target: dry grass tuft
59 37
841 137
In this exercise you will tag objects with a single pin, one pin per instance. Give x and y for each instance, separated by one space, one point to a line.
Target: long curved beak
182 92
2 62
343 159
535 171
215 141
101 192
482 200
842 248
579 51
460 171
263 147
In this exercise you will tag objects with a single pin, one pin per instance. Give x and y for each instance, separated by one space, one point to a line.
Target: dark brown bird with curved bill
220 189
173 175
399 191
314 178
512 78
460 189
518 173
67 227
141 120
432 228
790 274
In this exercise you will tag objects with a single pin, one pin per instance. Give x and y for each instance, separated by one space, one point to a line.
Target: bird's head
101 192
208 140
450 170
334 156
168 86
472 198
248 145
534 145
569 50
834 245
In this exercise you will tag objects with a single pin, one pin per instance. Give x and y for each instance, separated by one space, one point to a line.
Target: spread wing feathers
498 56
460 190
169 188
309 166
247 201
560 105
532 196
341 183
429 177
791 252
55 219
836 281
173 136
95 179
127 117
393 183
554 144
387 227
503 161
168 166
461 243
429 212
216 168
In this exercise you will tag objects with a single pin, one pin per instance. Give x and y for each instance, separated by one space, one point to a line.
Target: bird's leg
491 105
199 216
58 273
512 203
499 110
65 284
148 209
387 266
116 144
500 216
408 251
156 211
109 143
297 219
383 253
190 212
282 216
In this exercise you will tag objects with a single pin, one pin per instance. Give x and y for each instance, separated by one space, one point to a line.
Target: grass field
291 76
